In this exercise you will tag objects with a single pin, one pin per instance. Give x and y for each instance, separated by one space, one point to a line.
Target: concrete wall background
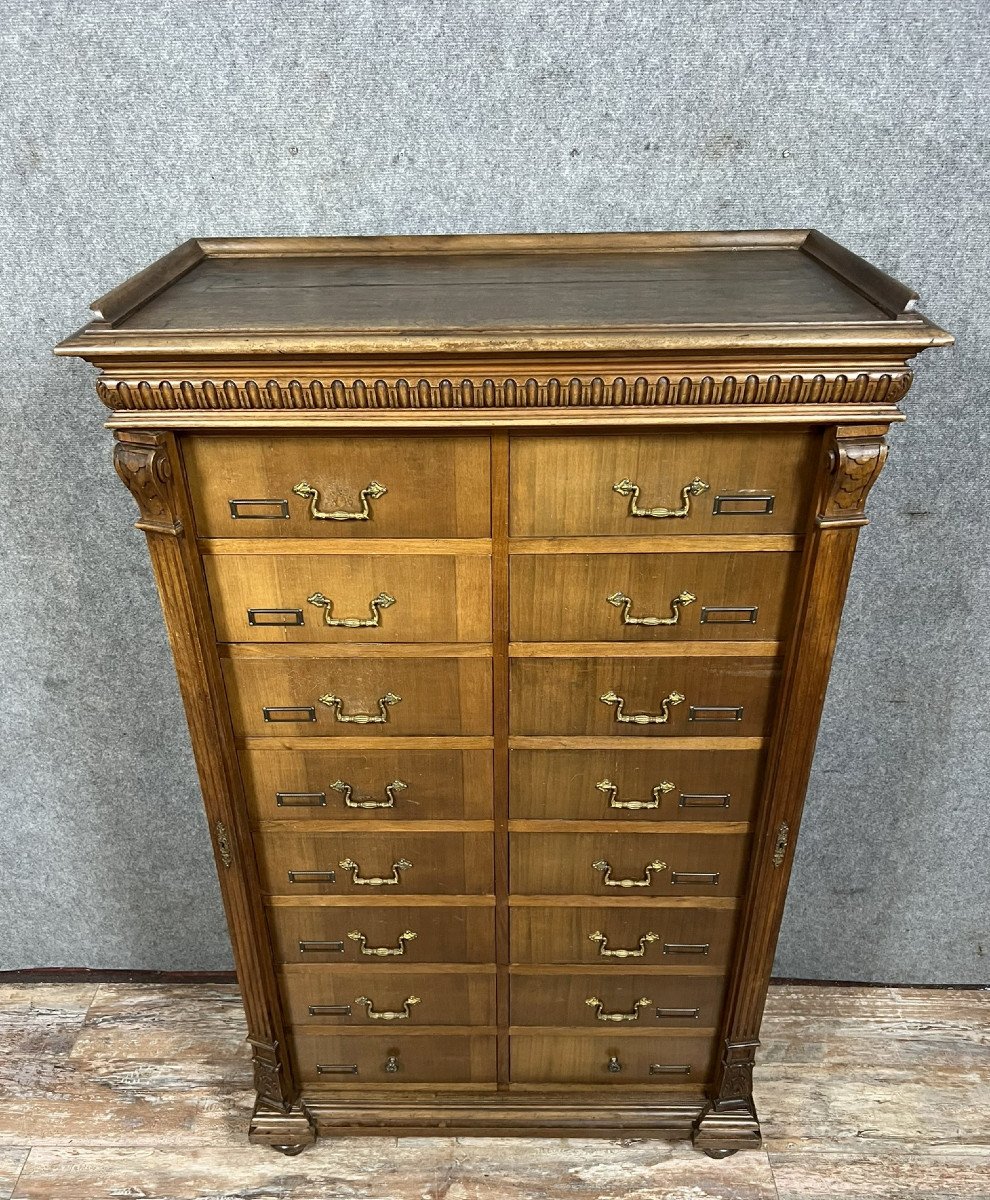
127 129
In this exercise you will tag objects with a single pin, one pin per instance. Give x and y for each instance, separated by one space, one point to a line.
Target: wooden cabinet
503 577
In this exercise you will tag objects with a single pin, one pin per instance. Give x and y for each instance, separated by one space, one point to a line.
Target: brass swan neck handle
626 487
375 606
646 881
382 951
602 1015
402 1014
621 600
374 491
625 718
645 940
335 704
347 792
348 864
608 788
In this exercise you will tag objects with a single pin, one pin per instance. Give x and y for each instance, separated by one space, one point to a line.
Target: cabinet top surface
551 292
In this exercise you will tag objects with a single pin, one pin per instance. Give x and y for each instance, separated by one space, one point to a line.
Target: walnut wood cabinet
502 576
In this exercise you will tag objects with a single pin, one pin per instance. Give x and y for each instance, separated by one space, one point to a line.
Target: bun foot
298 1148
710 1153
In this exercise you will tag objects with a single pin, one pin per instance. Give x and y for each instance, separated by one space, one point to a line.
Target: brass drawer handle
603 950
610 790
347 792
382 600
385 1015
621 600
646 881
626 488
373 491
335 704
625 718
382 951
596 1004
348 864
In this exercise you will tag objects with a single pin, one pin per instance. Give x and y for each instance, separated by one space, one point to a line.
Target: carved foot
294 1150
721 1153
727 1127
289 1131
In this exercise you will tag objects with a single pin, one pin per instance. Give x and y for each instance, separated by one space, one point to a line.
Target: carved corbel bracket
855 458
142 461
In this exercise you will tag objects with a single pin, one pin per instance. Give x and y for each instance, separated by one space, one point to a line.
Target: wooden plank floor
140 1090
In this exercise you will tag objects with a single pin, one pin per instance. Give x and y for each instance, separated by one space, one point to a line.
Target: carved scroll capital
142 462
855 459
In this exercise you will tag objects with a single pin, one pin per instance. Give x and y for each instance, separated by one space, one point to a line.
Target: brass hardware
312 877
625 488
610 790
709 877
624 718
713 712
335 704
382 951
301 799
382 600
602 940
329 1010
223 845
386 1015
646 881
282 715
620 600
663 1069
392 1064
596 1004
780 845
690 1013
281 510
614 1065
347 792
289 616
321 947
742 615
372 492
348 864
701 800
336 1068
743 504
686 947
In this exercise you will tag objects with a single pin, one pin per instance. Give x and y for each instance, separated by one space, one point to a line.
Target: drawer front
383 937
757 481
616 1001
391 697
378 864
627 864
630 784
622 937
243 486
336 1060
387 998
350 598
614 1059
651 597
638 697
363 785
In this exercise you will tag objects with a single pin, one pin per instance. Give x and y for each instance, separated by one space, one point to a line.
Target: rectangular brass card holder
689 1013
713 713
329 1010
673 1069
686 947
278 510
301 799
743 504
299 713
744 614
700 800
312 877
336 1068
275 616
706 877
321 947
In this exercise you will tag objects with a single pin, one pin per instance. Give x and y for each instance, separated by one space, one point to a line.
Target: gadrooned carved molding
380 394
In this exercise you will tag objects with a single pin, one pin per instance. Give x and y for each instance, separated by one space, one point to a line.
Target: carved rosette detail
856 461
144 467
380 394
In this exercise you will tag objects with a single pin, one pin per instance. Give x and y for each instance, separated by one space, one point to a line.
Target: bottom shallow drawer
629 1059
334 1061
598 999
368 996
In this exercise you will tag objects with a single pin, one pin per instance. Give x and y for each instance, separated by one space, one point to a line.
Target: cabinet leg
289 1131
727 1127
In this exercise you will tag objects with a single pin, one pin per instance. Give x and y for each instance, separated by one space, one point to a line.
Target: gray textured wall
127 128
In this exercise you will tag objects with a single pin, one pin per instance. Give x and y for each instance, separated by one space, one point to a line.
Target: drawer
387 998
383 937
336 1060
350 597
272 696
379 864
638 697
616 1058
758 481
243 485
620 864
615 1000
651 597
629 784
622 937
363 785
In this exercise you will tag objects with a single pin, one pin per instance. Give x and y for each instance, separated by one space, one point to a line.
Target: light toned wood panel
383 901
582 900
358 744
436 1058
331 547
562 863
563 935
307 825
708 785
437 598
436 697
608 825
713 744
563 485
438 784
604 971
541 1058
314 650
568 598
437 485
609 1031
438 863
781 543
562 696
443 934
612 650
465 998
681 1003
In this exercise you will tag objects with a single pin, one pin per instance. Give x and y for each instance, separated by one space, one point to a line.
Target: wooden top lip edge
903 326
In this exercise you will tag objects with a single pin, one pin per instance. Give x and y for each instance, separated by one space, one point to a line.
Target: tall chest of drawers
502 577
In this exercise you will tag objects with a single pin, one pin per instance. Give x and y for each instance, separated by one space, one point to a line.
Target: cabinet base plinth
290 1131
724 1128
